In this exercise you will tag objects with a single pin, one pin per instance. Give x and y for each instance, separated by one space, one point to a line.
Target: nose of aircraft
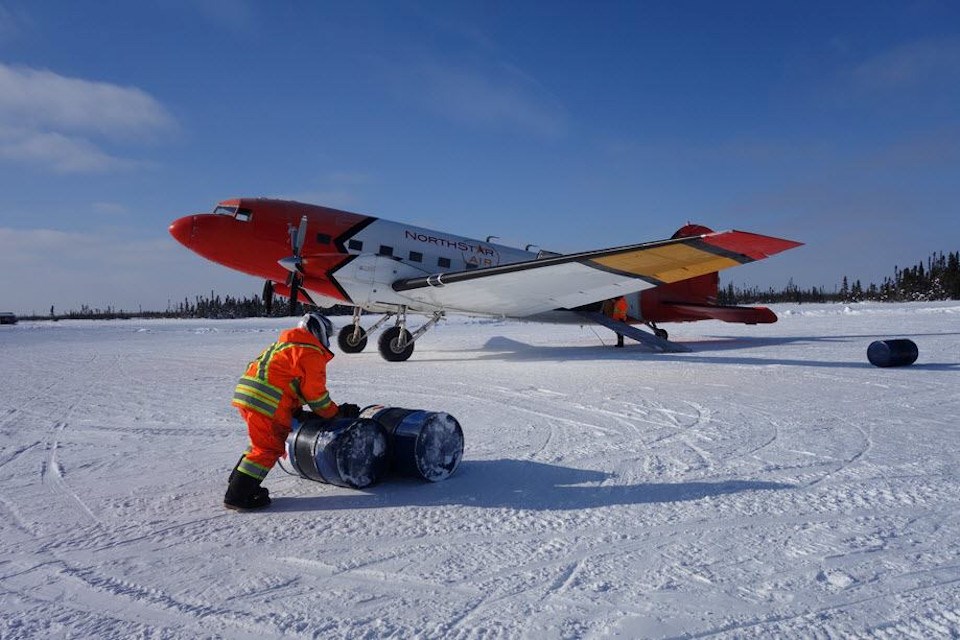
182 230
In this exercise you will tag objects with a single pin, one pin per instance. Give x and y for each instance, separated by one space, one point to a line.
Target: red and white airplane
326 257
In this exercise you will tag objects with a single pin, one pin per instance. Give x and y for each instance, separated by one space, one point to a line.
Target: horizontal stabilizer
689 312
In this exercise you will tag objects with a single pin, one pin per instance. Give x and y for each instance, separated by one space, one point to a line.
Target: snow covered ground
772 483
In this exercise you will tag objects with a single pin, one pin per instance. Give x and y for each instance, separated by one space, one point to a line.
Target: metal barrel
892 353
423 444
347 452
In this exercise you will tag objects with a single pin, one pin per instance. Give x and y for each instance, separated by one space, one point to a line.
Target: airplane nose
182 230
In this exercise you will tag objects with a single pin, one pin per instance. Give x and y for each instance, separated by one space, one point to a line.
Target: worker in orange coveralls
290 373
619 313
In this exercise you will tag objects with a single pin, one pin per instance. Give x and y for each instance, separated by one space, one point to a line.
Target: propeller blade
293 263
301 236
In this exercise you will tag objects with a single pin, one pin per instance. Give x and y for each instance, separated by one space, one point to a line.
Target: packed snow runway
770 483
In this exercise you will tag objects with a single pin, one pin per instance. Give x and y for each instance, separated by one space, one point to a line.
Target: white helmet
319 325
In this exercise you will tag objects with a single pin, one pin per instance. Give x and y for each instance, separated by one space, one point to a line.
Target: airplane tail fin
696 298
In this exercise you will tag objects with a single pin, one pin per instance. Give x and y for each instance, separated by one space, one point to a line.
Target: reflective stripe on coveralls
252 469
258 395
255 393
316 404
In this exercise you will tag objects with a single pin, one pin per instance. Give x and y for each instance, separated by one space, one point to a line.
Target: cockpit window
243 215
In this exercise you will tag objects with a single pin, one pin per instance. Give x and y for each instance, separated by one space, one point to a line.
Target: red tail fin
696 298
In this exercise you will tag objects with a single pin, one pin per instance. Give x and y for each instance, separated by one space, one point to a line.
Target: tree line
214 306
936 279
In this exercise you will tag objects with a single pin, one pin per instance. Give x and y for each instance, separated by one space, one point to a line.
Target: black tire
347 343
268 297
294 295
388 345
661 333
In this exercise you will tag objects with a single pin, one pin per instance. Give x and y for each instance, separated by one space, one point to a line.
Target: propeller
294 263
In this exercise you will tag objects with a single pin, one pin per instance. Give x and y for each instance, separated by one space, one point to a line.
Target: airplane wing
568 281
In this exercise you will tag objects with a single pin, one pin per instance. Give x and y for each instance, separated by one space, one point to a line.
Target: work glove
348 411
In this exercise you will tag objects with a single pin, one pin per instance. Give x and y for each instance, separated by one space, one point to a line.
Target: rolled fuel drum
892 353
347 452
424 444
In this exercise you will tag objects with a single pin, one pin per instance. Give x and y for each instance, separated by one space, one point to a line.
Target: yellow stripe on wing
669 263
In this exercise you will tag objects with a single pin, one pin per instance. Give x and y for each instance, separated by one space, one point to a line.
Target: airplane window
244 215
227 211
444 263
416 256
355 245
323 238
471 265
386 251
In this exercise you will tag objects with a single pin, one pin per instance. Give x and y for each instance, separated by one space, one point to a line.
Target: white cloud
60 153
45 100
62 124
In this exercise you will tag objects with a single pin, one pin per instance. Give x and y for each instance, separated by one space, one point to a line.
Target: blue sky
571 125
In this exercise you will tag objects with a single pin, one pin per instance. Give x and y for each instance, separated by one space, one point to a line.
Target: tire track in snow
148 607
13 456
52 476
868 444
17 520
801 624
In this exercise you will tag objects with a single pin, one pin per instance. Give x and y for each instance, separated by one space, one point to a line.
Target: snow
772 483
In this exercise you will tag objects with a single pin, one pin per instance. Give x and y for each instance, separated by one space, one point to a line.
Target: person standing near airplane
288 374
618 312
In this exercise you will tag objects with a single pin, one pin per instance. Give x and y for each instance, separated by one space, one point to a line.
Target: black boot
236 470
245 493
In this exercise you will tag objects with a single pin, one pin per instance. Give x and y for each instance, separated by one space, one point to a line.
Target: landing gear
657 331
395 344
352 338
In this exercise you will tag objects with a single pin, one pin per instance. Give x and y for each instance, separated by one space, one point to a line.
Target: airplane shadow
504 349
518 484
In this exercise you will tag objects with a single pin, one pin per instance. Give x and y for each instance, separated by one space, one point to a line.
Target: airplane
325 257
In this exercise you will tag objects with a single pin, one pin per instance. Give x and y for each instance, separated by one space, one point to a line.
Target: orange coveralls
289 373
620 309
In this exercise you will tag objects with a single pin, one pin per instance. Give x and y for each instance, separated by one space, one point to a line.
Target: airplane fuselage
331 257
349 258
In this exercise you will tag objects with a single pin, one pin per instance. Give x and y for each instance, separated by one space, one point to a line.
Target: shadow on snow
510 350
518 484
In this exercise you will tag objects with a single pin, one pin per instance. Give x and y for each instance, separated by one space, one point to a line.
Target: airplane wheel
347 343
389 348
661 333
